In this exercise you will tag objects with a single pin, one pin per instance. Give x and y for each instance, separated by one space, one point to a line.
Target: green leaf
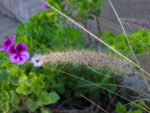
4 95
44 98
54 97
22 78
43 110
120 108
31 105
24 89
137 111
142 104
37 83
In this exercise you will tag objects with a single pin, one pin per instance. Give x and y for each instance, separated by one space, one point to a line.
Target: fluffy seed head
90 58
142 24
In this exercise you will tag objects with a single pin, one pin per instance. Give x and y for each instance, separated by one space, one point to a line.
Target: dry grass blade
124 31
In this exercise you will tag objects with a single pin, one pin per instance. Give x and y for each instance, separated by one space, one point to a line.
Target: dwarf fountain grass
94 37
84 58
87 58
97 38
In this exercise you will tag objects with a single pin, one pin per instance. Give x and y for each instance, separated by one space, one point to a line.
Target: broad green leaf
31 105
44 98
24 89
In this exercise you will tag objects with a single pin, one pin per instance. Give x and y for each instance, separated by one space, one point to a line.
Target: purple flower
20 47
7 43
45 6
18 54
11 50
19 58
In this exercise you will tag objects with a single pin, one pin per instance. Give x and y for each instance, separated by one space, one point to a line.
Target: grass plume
84 58
132 21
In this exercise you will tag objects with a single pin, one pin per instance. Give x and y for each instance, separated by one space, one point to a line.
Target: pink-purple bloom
18 53
7 43
45 6
20 47
11 50
19 58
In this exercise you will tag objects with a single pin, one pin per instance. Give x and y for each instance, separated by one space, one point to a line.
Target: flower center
7 42
21 58
16 57
19 48
37 61
12 50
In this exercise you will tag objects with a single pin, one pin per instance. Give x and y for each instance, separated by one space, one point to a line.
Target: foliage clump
140 42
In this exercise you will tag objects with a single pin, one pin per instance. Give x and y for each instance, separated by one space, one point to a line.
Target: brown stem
98 25
24 107
98 29
112 100
88 35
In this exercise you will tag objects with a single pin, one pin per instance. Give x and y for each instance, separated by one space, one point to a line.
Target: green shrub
81 10
140 42
45 32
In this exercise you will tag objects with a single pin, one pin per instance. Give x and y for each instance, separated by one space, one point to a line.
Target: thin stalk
98 28
98 25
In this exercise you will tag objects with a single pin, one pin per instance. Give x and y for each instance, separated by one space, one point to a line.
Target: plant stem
98 25
98 30
89 37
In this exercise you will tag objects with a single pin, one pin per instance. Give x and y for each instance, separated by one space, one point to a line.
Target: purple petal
14 58
20 47
19 58
45 6
13 37
11 50
8 42
26 54
22 60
